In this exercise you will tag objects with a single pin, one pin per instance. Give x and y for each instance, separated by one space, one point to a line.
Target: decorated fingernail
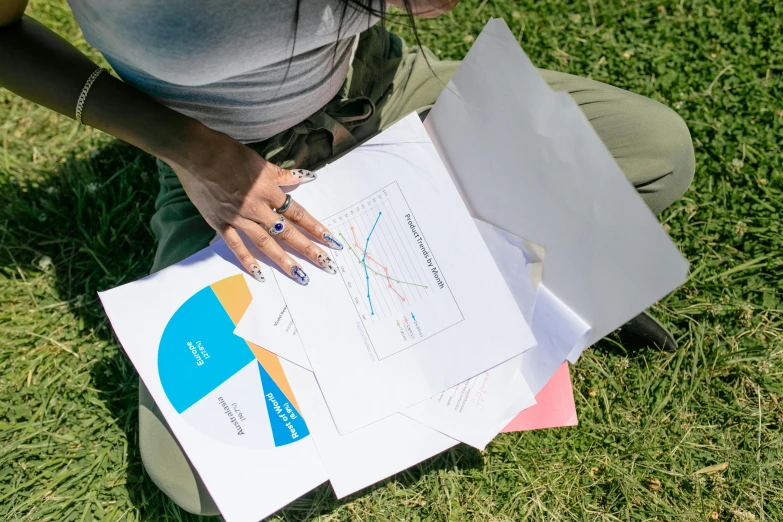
331 242
327 264
257 274
305 175
300 276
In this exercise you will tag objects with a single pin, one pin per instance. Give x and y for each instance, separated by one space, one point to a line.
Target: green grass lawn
74 212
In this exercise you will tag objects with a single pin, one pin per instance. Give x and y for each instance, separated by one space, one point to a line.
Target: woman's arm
37 64
233 188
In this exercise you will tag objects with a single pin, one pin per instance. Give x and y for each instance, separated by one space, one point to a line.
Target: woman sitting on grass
237 99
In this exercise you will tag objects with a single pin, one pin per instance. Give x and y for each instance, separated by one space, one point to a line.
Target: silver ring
278 226
284 206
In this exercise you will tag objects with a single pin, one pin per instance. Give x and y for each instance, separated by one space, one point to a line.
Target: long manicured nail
331 242
257 274
299 275
327 264
305 175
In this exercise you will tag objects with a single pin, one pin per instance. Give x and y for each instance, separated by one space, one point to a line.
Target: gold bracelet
85 90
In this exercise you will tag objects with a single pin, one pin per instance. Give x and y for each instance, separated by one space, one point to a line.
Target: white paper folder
527 160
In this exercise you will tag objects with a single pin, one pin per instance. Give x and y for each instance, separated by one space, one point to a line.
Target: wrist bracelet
85 90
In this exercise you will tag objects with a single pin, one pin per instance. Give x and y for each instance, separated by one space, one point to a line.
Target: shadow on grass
90 220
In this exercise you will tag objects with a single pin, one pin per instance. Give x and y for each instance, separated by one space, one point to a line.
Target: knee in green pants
166 463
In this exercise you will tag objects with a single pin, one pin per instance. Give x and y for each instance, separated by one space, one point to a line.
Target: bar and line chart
390 273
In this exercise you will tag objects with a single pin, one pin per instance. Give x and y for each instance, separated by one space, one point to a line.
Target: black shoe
644 331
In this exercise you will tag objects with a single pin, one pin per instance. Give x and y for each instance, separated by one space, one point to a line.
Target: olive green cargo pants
387 81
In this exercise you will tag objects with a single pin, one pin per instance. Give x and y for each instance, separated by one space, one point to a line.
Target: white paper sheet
520 262
367 455
559 332
476 410
268 323
435 293
229 405
552 182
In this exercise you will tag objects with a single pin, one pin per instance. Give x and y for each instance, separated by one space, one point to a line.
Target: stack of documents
442 325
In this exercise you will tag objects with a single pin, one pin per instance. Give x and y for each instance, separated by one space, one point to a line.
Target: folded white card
547 177
268 323
559 332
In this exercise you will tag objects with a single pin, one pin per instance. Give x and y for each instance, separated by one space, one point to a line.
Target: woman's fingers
283 230
266 244
264 227
235 243
287 178
296 213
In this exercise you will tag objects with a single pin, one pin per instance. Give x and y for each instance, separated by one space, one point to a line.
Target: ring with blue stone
278 226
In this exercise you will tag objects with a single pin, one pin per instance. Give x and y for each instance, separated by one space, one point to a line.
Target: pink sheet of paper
554 406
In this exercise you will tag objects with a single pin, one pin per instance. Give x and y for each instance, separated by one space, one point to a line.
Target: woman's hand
427 8
236 190
232 186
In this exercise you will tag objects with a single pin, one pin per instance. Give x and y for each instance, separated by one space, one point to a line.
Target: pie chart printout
227 388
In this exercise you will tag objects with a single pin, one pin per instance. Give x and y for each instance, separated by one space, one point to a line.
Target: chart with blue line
397 287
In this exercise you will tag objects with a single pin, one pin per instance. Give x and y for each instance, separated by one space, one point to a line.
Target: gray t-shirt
224 62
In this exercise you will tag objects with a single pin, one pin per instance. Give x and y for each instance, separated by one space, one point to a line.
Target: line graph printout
418 304
392 276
